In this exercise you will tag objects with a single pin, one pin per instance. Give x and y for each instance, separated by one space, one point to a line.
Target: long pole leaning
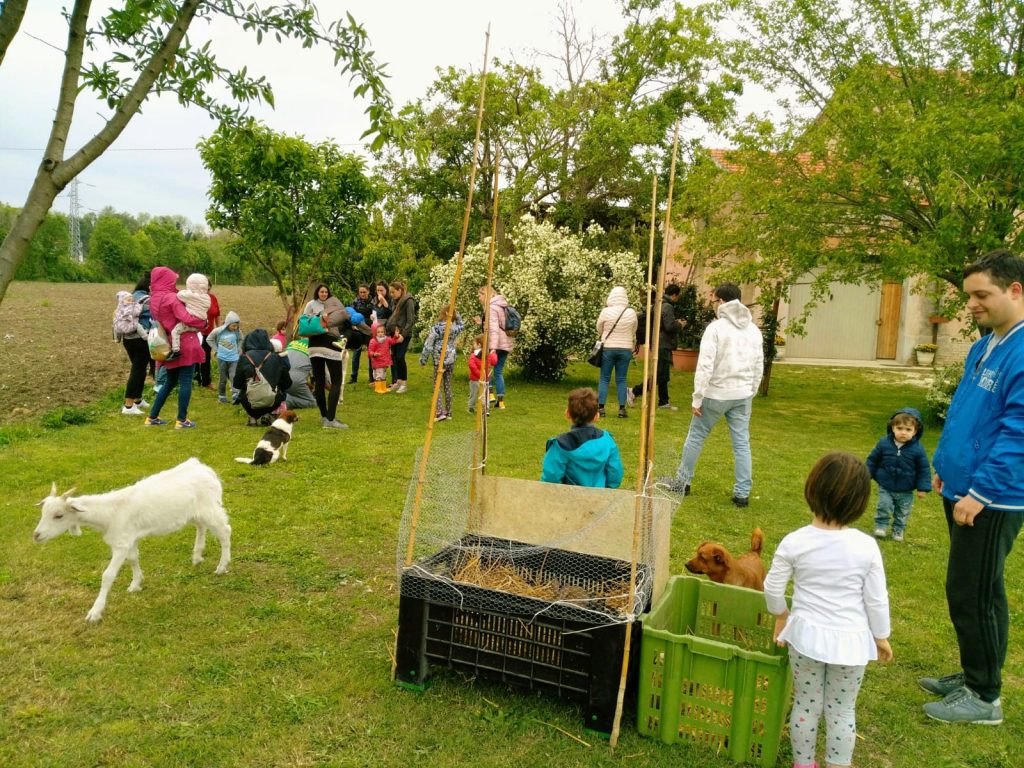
480 436
641 499
651 404
418 500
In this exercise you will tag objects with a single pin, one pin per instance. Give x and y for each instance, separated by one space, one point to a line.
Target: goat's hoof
134 587
221 570
197 560
93 616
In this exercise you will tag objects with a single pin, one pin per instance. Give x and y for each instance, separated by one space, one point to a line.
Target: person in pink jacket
497 340
168 310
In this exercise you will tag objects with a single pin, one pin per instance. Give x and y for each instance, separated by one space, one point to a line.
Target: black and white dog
274 444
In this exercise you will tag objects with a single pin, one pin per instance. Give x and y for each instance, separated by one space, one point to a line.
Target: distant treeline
119 247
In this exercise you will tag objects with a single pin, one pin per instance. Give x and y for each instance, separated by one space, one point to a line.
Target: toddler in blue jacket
585 455
899 464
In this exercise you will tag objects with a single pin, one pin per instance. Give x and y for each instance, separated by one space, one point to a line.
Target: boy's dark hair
905 418
838 488
1002 265
672 290
727 292
582 406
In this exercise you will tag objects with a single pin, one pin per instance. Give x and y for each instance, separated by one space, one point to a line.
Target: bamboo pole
480 436
641 489
414 521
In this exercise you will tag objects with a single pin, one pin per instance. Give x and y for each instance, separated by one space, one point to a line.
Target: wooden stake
414 521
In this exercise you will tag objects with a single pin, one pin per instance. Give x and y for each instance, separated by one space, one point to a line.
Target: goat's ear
76 508
66 493
53 489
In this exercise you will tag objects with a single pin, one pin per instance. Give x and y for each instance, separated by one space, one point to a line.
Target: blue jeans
498 375
619 360
181 378
737 415
896 504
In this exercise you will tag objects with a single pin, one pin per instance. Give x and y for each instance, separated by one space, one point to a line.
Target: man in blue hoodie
979 470
585 455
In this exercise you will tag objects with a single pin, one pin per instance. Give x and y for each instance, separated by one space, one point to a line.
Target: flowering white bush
556 282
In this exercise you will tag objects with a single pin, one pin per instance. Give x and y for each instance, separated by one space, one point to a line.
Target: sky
153 167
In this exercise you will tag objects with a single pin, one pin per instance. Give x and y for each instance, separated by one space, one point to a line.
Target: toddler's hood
197 282
232 317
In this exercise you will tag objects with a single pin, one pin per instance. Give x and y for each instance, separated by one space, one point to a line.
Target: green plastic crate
710 673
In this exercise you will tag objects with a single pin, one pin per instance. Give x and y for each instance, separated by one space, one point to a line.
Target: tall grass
286 660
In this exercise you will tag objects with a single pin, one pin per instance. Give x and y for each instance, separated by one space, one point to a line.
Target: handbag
597 353
310 325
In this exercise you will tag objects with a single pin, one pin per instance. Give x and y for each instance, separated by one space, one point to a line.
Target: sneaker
441 417
132 410
600 411
500 405
881 533
174 355
964 706
394 387
401 389
335 425
942 686
630 397
154 422
668 407
671 485
142 404
897 535
324 421
222 399
471 410
622 412
251 422
741 501
186 424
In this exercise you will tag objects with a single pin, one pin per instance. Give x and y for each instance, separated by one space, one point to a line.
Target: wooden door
888 321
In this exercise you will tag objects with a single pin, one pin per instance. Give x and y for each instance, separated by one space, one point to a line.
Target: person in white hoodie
616 327
729 371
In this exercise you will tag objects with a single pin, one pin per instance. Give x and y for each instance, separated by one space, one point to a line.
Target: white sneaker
897 536
401 388
142 404
134 410
881 533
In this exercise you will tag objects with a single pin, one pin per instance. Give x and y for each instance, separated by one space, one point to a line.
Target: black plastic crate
528 643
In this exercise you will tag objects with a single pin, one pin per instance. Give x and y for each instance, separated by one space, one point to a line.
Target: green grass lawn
286 660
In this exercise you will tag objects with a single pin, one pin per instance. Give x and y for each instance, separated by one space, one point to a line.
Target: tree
554 279
898 154
149 51
294 206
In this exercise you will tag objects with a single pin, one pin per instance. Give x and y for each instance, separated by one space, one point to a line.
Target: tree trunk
11 15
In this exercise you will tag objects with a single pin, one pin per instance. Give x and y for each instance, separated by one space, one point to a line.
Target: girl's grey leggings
829 690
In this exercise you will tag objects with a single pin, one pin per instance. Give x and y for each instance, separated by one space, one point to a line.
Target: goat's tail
244 459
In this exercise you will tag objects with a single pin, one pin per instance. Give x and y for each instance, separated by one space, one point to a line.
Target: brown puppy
747 570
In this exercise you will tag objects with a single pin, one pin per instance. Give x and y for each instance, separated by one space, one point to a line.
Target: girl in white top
840 616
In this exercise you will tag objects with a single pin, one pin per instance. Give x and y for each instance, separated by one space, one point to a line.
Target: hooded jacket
731 360
228 343
168 310
275 369
432 345
981 451
624 334
901 468
584 456
497 339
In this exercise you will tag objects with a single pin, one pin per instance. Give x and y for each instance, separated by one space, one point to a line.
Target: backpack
126 317
159 345
513 321
258 391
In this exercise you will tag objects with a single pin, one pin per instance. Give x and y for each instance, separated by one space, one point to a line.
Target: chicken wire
452 564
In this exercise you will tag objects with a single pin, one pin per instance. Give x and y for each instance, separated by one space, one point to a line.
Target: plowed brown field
56 347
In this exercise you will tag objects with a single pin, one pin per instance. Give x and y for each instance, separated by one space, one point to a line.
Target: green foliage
294 206
697 313
65 416
940 392
554 278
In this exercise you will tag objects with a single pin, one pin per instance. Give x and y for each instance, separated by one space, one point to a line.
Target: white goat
161 503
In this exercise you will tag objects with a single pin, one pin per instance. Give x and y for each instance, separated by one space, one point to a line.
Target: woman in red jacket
168 310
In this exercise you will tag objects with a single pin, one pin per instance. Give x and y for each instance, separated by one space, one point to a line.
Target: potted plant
925 354
780 346
697 314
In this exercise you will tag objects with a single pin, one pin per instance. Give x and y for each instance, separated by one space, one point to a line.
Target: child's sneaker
600 411
897 535
501 404
222 399
881 533
174 355
186 424
154 422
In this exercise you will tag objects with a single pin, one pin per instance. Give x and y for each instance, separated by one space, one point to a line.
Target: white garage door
841 327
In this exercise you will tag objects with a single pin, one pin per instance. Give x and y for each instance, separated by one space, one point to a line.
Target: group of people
839 617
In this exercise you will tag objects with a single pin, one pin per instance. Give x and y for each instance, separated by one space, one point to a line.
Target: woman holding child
324 356
168 310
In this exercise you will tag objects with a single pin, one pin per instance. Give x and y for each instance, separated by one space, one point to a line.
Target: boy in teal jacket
585 455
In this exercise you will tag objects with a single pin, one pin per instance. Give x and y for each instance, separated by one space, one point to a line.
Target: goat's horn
53 489
67 493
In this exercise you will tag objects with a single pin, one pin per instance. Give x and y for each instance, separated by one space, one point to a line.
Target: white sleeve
705 364
876 597
776 581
